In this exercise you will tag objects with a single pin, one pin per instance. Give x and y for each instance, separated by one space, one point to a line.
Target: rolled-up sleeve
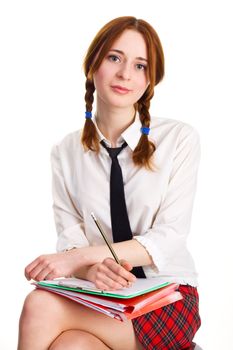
68 221
168 235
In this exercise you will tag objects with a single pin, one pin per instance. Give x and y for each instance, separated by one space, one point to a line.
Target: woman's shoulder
170 123
162 127
68 147
70 141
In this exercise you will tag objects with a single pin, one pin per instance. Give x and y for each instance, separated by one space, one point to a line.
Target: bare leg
46 317
40 321
77 340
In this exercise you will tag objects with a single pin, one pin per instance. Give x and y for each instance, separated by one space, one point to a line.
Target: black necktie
119 217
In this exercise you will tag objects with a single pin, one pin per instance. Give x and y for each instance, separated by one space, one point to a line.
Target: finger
119 270
32 273
104 282
117 278
104 274
37 270
45 274
126 265
29 268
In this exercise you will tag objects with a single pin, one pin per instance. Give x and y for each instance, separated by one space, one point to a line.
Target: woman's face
121 78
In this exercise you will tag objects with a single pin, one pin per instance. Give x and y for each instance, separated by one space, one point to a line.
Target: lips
120 89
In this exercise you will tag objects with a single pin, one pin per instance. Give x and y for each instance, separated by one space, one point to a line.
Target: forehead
132 43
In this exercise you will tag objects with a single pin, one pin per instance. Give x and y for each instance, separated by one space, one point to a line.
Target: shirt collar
131 135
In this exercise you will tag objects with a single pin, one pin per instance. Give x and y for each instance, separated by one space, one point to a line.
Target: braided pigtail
145 148
89 136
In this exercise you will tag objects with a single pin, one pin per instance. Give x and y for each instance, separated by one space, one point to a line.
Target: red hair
97 51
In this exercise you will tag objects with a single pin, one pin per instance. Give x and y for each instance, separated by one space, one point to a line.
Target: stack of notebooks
143 296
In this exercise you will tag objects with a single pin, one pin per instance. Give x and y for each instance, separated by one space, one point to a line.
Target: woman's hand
51 266
109 275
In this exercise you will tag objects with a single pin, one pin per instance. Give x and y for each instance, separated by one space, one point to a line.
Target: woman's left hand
108 275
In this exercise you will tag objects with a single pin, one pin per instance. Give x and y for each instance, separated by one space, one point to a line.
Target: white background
42 45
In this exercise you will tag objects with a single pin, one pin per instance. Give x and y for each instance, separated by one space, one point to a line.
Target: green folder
141 286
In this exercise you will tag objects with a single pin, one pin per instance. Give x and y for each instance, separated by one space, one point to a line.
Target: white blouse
159 202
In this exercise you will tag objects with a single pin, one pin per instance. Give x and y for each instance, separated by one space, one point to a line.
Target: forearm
132 251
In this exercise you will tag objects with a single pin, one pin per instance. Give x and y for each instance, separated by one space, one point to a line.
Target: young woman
159 164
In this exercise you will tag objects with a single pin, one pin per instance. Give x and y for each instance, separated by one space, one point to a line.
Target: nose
124 71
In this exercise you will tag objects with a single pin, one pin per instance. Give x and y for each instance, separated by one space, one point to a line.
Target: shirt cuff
157 257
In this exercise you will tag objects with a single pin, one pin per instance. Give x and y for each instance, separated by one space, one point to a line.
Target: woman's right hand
108 275
50 266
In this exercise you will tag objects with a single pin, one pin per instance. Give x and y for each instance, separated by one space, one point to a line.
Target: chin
120 102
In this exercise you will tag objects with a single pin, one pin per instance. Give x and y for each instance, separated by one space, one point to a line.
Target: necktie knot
113 152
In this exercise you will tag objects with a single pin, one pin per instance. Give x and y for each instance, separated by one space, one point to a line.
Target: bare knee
36 309
77 340
37 326
34 303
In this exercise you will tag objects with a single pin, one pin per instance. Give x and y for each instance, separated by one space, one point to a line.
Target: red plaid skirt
171 327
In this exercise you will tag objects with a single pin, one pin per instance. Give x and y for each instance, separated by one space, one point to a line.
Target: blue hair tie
145 130
88 115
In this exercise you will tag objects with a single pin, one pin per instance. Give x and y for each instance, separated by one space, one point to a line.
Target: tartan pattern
171 327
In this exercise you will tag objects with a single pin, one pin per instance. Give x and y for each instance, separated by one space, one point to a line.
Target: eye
140 66
113 58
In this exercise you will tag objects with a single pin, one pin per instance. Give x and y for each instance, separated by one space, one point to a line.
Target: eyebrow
122 53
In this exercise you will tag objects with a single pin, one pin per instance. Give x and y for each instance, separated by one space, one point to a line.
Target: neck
113 121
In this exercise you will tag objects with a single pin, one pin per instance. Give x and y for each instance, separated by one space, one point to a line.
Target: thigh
63 314
114 334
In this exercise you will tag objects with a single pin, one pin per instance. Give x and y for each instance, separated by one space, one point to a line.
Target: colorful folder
144 296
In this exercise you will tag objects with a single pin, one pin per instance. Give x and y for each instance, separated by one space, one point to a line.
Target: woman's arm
68 221
167 238
78 261
130 250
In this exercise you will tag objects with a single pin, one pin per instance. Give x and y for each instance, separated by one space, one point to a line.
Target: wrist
94 254
85 256
82 272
